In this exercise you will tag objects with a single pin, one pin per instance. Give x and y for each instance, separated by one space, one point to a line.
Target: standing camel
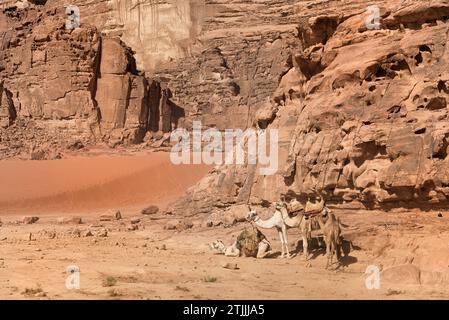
303 222
331 227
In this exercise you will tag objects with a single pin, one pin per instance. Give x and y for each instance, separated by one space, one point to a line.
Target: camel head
251 216
325 212
217 245
294 205
279 205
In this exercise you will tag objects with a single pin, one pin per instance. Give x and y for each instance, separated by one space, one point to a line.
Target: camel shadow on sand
317 247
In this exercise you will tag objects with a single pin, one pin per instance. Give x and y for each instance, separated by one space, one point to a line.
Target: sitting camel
219 247
249 244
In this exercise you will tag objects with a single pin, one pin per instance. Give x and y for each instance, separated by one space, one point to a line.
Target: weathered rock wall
231 60
74 84
362 116
220 59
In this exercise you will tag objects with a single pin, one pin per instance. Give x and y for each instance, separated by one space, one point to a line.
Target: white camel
219 247
277 222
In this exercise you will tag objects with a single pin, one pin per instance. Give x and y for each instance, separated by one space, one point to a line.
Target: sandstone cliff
74 85
362 115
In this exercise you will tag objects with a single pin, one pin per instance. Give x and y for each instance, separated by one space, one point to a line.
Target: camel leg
305 241
284 233
281 237
263 249
297 244
305 246
328 252
232 251
339 249
332 255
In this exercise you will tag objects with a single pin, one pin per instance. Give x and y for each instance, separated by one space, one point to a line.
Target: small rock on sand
178 225
74 233
111 215
88 233
29 220
184 225
230 265
393 292
171 225
103 232
150 210
69 220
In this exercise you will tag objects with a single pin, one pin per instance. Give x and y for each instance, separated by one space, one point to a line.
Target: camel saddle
311 214
248 241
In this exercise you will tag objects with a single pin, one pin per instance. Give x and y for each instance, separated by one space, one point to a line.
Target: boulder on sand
30 220
150 210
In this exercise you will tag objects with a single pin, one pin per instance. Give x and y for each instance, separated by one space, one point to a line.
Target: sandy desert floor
151 261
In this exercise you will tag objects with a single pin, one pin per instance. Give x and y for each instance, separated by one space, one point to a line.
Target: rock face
220 60
85 82
71 84
373 122
157 30
7 109
362 115
235 64
121 95
48 72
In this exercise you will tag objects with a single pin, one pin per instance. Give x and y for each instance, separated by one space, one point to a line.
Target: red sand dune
84 184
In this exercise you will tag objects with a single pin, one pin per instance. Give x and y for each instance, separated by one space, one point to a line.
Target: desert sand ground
153 262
